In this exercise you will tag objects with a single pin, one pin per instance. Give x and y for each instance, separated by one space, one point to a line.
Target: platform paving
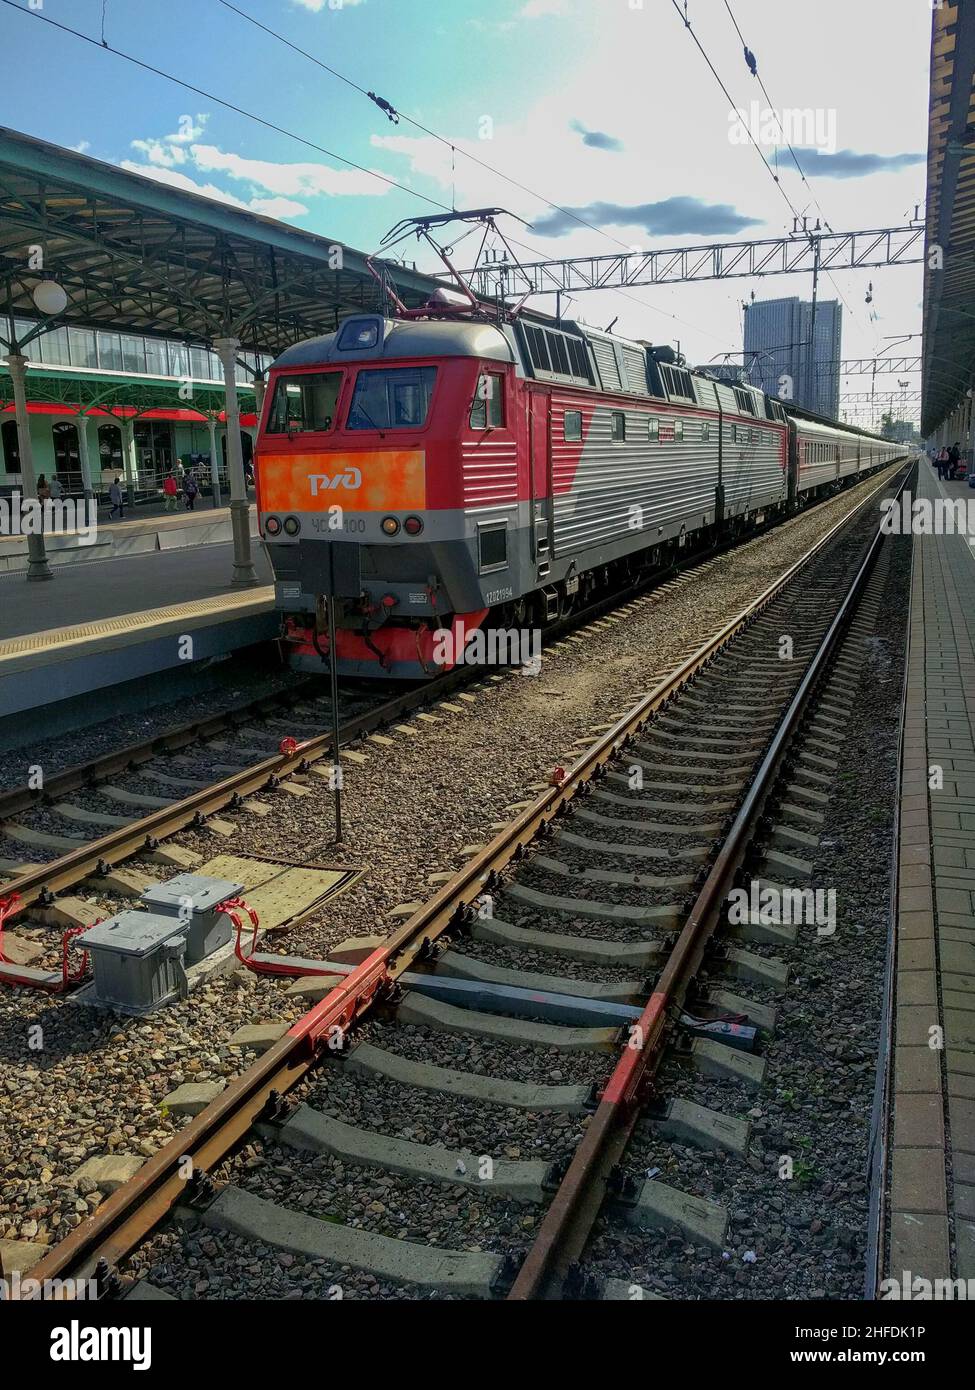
932 1176
119 588
113 621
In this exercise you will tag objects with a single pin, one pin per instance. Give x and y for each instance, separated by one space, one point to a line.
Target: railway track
142 794
582 959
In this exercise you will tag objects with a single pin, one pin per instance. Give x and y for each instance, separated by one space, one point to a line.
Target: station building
138 406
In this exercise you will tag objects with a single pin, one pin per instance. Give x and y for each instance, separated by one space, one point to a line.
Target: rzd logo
321 482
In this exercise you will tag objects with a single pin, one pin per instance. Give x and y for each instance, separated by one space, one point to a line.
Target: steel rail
130 1214
139 834
562 1233
85 776
82 776
70 868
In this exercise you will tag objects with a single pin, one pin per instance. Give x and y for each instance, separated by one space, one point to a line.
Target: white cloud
278 207
308 179
82 147
160 153
317 5
183 181
269 207
190 129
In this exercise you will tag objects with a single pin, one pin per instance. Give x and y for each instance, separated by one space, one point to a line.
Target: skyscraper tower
784 361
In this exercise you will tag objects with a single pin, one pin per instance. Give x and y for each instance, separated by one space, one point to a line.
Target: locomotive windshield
304 402
389 398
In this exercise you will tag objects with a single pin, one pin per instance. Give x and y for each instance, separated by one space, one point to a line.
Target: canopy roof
136 255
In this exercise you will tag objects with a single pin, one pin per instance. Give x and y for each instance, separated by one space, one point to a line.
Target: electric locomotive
447 470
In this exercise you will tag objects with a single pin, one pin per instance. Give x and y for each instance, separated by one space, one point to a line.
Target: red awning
176 415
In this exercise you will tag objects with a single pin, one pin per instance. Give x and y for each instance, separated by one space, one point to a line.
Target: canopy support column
37 563
214 461
244 572
85 454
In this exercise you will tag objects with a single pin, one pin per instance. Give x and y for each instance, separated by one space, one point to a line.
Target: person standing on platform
43 489
954 458
942 461
117 498
191 489
171 491
57 490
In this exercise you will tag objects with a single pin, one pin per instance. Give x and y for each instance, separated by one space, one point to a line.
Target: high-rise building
783 359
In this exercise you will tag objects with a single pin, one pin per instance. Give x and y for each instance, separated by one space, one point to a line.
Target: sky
600 120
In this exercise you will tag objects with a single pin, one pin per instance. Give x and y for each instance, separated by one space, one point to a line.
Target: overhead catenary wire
418 125
685 20
795 159
456 150
717 77
221 101
102 45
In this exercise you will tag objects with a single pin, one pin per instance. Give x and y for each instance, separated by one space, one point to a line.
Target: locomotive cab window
304 403
572 426
487 408
391 398
618 425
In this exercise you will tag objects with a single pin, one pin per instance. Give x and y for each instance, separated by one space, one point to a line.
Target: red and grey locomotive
444 470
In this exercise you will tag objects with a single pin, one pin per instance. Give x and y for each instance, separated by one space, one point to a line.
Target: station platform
101 625
149 529
932 1186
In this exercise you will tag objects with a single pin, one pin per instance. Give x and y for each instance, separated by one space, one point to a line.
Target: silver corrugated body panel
754 474
706 393
490 470
609 371
670 481
636 370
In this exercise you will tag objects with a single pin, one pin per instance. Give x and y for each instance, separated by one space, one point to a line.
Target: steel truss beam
791 255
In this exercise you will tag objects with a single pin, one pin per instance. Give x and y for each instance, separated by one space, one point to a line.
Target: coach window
678 429
304 403
487 409
492 547
572 426
618 425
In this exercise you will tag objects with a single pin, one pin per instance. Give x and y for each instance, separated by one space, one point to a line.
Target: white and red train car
433 473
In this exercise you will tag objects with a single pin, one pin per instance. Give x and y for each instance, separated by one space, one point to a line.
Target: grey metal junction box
194 899
137 959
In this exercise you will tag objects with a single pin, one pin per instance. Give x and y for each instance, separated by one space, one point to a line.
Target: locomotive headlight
292 525
271 525
389 525
412 525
